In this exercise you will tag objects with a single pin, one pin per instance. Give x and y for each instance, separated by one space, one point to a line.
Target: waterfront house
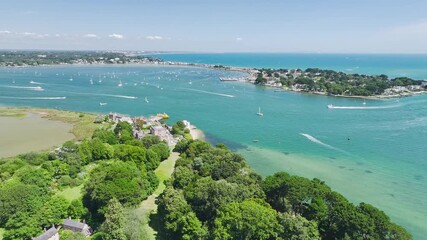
163 134
75 226
50 234
138 134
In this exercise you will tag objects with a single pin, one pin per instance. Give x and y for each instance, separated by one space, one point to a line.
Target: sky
309 26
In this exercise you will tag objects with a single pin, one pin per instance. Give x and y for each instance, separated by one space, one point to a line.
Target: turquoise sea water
393 65
376 155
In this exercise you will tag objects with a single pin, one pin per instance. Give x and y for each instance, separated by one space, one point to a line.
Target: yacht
259 113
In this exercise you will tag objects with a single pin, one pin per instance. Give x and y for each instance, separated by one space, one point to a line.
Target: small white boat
330 106
364 102
259 113
102 103
120 84
146 100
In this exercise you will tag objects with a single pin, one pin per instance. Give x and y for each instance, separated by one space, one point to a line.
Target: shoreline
251 72
197 134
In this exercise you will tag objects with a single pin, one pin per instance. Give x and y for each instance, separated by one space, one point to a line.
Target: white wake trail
38 88
35 98
211 93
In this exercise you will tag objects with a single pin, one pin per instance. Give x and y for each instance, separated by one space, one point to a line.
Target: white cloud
41 36
239 39
90 35
154 37
116 36
5 32
27 34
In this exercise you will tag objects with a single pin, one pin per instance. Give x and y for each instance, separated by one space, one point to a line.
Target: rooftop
47 234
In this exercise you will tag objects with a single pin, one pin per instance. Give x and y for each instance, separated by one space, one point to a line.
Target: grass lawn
71 193
148 206
165 170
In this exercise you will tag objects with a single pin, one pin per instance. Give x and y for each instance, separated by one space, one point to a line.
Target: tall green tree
114 223
296 227
76 210
53 211
179 220
120 180
22 226
246 220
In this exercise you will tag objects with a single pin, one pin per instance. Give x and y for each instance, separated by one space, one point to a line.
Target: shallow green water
376 155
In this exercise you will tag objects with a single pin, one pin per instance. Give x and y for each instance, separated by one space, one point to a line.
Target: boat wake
361 107
211 93
35 98
38 83
315 140
115 96
38 88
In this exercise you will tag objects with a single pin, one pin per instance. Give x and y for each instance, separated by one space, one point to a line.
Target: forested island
329 82
100 185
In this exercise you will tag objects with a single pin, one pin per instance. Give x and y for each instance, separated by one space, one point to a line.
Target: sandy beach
196 133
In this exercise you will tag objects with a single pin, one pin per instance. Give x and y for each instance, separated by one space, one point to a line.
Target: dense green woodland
212 194
333 82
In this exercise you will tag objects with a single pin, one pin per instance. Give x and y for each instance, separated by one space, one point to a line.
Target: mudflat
31 132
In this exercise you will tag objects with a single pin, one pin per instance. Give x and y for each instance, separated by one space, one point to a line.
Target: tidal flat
31 132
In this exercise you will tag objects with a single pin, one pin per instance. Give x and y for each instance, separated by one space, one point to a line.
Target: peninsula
125 182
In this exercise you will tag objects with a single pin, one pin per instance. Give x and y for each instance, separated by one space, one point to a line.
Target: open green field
1 233
71 193
148 206
29 129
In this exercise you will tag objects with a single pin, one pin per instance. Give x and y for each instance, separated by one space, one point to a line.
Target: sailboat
364 102
120 84
146 100
259 113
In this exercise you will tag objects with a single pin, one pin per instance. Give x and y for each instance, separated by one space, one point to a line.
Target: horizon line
209 52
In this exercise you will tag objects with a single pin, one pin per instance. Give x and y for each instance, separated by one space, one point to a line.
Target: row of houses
68 224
